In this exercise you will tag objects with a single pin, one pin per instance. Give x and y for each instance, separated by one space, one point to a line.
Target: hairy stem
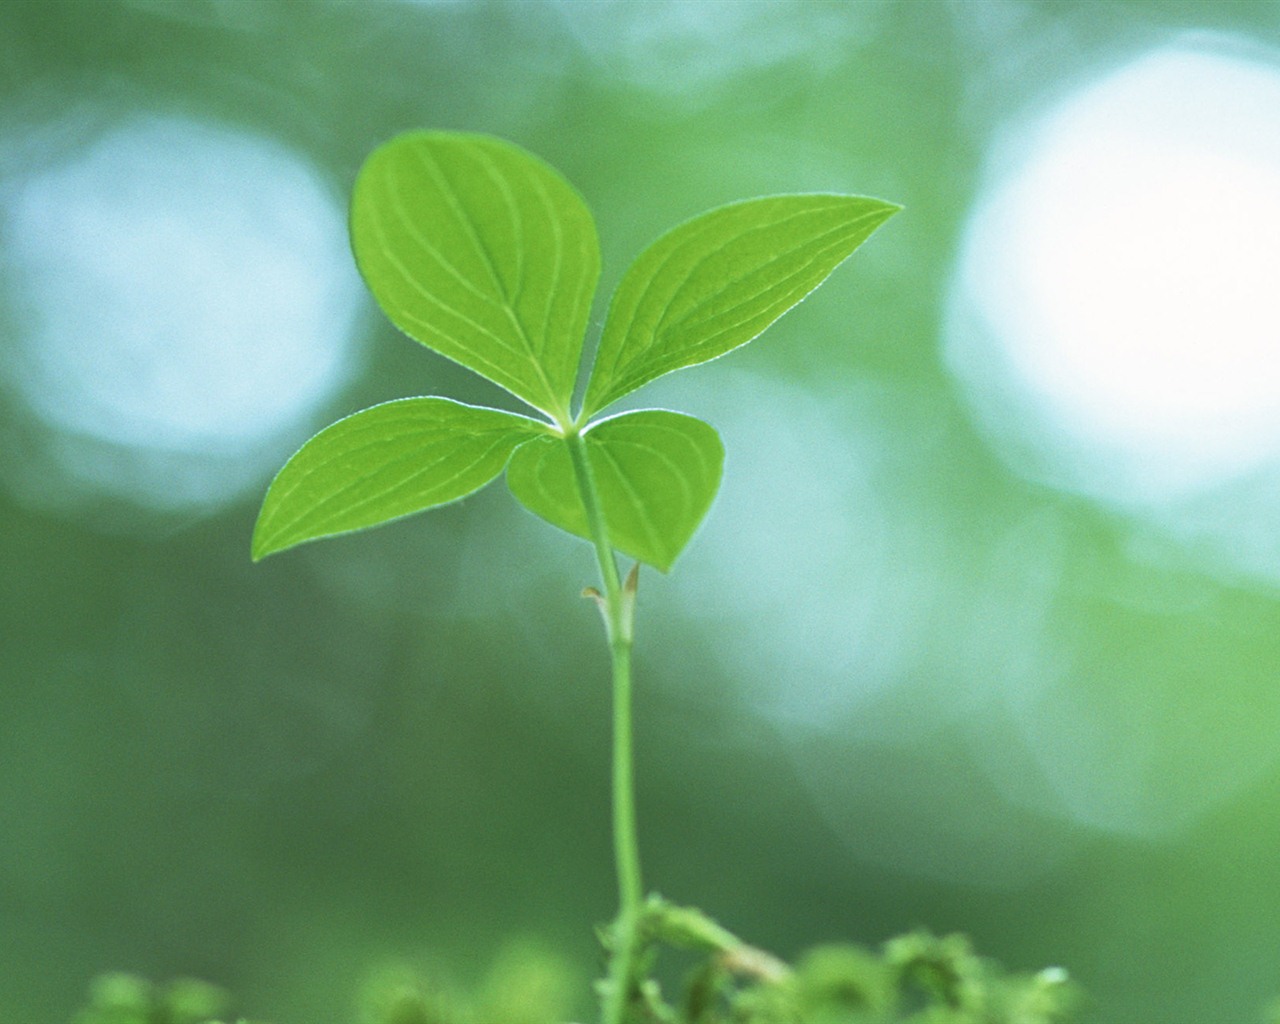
617 605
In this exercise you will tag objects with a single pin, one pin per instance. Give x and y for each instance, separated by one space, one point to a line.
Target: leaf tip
886 210
263 542
259 549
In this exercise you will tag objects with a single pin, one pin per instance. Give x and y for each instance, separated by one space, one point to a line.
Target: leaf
383 463
715 282
656 473
482 252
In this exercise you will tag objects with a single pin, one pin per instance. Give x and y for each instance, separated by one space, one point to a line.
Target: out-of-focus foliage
526 984
914 979
127 999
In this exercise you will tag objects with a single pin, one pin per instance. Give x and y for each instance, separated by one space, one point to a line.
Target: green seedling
485 254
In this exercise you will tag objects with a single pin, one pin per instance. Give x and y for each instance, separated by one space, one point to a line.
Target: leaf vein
322 520
646 523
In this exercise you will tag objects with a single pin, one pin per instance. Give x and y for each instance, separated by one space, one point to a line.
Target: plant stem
626 846
617 605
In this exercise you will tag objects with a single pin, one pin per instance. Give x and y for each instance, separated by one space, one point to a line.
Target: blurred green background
981 634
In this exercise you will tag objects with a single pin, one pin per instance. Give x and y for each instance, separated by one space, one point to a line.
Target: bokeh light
691 51
1113 329
893 631
182 302
1116 312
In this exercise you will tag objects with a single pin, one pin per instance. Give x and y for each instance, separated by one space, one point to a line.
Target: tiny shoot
483 253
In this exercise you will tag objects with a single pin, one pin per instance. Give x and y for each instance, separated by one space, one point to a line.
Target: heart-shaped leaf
482 252
656 474
717 281
383 463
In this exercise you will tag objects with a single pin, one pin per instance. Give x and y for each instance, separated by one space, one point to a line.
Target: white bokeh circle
1115 322
182 298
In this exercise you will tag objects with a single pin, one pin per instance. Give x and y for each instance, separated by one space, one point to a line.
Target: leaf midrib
451 197
322 519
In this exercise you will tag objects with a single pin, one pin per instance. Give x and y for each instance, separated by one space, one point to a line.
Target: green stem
617 604
626 845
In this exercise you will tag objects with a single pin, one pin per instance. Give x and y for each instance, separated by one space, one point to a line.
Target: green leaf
656 473
383 463
482 252
717 281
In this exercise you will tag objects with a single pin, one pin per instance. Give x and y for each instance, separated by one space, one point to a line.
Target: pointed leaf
717 281
656 472
383 463
482 252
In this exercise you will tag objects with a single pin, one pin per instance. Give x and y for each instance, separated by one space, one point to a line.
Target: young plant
485 254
